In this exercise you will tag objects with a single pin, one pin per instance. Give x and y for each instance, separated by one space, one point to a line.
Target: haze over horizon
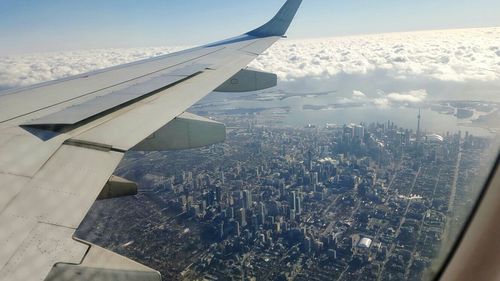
41 26
465 55
387 55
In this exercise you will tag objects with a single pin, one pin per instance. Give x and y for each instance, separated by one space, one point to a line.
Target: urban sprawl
369 201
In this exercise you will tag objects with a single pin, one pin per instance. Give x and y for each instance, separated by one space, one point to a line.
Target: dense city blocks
368 201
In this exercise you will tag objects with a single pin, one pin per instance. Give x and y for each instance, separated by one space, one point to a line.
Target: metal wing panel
90 108
10 187
59 195
71 180
46 95
259 46
130 128
44 246
22 154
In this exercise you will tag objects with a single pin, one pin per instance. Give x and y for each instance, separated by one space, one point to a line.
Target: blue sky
53 25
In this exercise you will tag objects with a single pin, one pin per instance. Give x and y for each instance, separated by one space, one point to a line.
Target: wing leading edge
61 141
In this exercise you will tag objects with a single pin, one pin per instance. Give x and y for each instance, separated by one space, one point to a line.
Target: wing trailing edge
100 264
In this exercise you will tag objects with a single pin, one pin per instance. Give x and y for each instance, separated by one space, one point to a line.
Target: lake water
291 111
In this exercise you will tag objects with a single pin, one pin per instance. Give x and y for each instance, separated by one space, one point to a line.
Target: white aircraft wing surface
61 141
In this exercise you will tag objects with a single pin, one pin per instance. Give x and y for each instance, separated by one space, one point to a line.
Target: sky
33 26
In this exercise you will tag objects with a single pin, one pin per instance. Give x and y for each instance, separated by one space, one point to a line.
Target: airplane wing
61 141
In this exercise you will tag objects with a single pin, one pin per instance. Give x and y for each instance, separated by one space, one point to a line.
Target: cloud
358 95
383 100
401 99
417 96
448 55
451 56
30 69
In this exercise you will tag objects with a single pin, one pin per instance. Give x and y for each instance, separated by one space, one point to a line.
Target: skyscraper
315 178
359 132
293 198
309 160
255 222
307 245
247 199
298 205
262 213
237 228
418 126
243 217
218 194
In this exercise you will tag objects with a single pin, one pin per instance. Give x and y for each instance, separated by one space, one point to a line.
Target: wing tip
280 23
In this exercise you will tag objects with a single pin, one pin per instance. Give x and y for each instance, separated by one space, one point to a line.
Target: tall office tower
292 214
218 194
307 245
255 222
293 200
222 178
237 228
418 126
315 178
262 213
309 160
359 132
243 217
186 193
298 205
247 199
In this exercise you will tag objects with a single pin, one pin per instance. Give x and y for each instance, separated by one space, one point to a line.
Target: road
445 238
398 231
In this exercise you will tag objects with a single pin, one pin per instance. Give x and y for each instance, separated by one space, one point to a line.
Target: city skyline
364 202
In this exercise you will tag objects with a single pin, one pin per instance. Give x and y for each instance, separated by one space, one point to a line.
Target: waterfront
282 108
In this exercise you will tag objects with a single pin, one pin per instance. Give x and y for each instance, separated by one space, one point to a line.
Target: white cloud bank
410 98
26 70
448 55
451 55
405 98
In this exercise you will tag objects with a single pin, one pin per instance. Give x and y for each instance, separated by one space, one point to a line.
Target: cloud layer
451 55
26 70
383 100
405 98
448 55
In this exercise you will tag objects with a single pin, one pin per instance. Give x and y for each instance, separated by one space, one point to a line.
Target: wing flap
130 126
65 92
66 272
38 223
41 248
98 257
100 264
66 186
102 104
